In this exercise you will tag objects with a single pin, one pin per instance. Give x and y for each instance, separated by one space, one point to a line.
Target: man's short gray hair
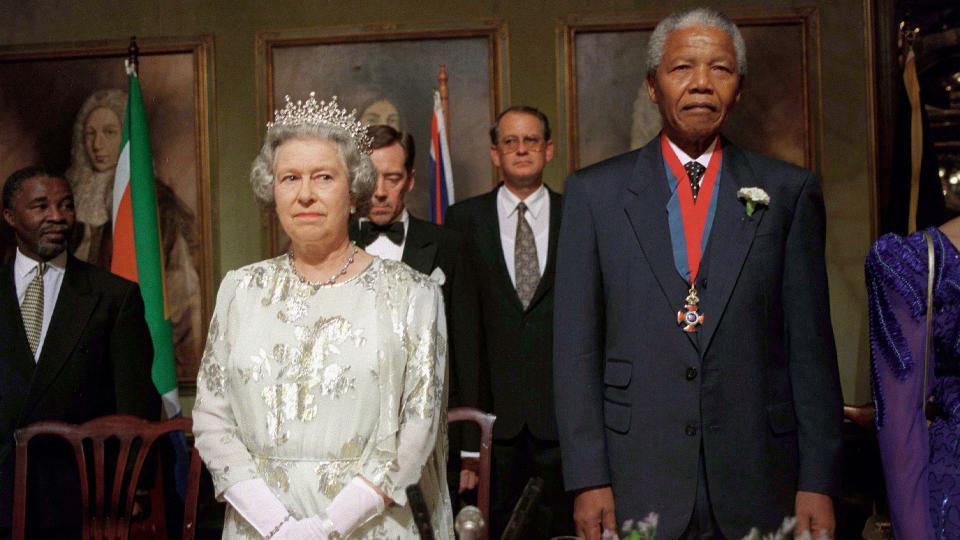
694 17
360 172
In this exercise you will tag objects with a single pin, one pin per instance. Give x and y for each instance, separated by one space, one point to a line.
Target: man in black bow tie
382 232
389 231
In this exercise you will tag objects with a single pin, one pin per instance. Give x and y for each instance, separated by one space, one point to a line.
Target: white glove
353 506
254 501
310 528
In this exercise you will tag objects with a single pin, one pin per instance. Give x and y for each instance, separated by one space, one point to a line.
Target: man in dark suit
510 235
701 385
74 346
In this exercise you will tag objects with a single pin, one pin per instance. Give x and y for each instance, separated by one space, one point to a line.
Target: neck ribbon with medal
694 216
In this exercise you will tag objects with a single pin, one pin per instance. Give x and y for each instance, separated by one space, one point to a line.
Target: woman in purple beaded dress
921 463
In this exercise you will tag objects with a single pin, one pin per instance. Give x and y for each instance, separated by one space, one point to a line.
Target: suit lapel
492 248
729 240
21 359
546 280
420 247
646 208
75 303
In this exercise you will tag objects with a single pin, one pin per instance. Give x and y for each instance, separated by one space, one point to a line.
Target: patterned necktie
695 173
525 260
32 308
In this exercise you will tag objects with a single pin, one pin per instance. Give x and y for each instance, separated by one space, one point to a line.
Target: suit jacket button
691 373
691 430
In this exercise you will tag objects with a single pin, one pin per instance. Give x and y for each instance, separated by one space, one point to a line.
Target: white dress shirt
24 270
383 247
537 215
703 159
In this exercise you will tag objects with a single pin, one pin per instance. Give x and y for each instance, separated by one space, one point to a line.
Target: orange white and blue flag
441 173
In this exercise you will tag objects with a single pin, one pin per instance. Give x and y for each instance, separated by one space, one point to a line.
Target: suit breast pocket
766 257
767 241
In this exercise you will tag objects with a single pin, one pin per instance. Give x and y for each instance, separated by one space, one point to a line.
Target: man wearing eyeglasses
511 236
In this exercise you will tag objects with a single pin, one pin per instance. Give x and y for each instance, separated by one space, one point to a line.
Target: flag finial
133 56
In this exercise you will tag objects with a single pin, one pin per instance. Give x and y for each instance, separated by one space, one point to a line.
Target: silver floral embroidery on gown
307 386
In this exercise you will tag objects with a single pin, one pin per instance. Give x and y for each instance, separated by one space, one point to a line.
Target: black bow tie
370 231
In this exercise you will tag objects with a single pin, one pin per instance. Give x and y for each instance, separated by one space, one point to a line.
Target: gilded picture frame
49 97
601 68
388 74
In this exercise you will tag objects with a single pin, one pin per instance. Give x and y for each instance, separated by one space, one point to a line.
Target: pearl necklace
333 278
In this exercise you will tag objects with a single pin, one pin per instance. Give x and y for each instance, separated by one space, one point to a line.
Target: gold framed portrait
50 96
607 111
388 74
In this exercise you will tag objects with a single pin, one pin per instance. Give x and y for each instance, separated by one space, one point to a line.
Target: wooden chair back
108 514
861 415
485 420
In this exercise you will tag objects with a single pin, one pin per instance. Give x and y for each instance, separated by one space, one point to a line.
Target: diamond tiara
311 112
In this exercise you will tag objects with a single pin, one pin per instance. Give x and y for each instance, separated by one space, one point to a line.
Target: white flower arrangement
753 197
646 529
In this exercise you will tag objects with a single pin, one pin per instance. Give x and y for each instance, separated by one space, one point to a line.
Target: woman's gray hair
360 172
694 17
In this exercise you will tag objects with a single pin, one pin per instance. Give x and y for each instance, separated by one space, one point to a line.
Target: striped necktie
32 308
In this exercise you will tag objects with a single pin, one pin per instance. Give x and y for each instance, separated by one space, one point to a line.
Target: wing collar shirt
537 215
383 247
24 270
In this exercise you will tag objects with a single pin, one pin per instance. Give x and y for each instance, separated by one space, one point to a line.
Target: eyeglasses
531 143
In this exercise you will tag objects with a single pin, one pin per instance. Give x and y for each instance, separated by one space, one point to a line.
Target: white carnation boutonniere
753 197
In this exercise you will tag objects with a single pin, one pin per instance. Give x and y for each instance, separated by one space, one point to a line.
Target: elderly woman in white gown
321 395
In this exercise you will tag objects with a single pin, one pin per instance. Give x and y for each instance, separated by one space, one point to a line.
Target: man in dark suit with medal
510 235
693 338
74 346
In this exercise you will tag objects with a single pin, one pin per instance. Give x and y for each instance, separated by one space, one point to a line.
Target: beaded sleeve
896 274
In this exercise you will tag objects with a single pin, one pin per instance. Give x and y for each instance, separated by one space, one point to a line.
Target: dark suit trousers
515 461
703 524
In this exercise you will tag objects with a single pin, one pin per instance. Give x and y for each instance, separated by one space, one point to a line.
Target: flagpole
133 55
444 97
441 173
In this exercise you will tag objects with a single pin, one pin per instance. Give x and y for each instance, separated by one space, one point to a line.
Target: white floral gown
307 386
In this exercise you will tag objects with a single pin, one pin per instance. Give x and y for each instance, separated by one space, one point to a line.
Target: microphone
421 516
469 523
521 512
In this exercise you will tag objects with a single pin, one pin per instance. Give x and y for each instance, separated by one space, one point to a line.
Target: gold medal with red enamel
690 318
